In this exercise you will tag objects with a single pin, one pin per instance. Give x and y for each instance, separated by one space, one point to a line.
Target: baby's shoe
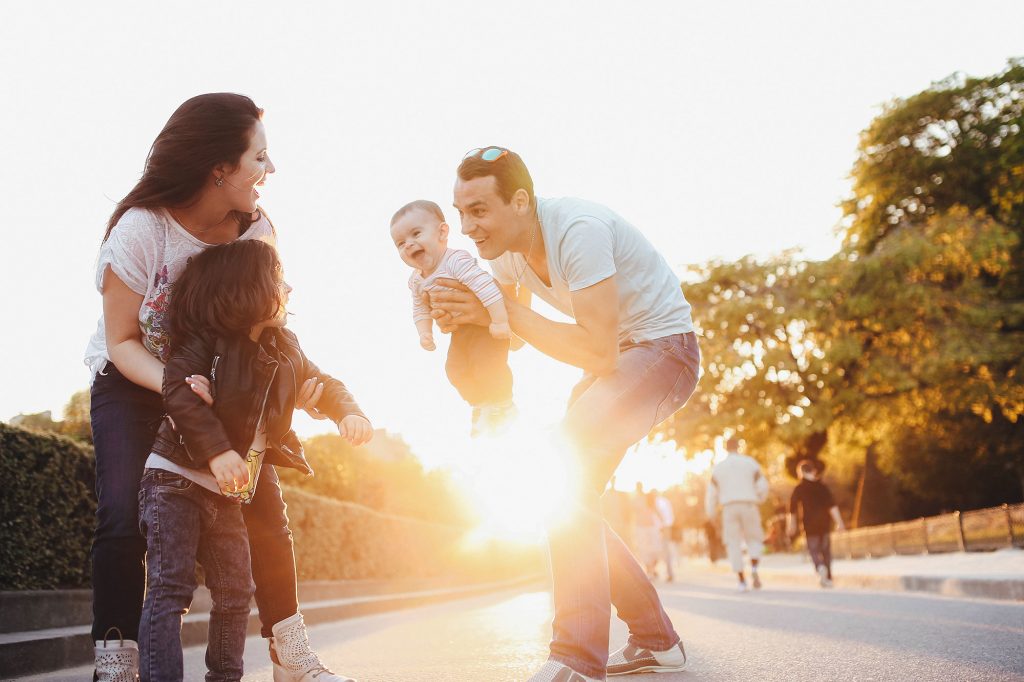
492 418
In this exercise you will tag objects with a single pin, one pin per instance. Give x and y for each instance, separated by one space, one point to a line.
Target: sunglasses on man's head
486 153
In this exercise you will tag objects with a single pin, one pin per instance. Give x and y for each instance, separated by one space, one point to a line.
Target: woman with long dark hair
199 188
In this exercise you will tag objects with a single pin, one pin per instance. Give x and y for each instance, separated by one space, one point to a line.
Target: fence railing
969 531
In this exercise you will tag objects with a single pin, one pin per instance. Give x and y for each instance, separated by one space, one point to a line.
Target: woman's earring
219 182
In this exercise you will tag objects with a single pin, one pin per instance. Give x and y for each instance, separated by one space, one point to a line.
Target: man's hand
355 429
230 471
454 308
427 342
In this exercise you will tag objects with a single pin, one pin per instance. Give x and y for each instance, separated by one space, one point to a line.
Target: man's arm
590 343
837 517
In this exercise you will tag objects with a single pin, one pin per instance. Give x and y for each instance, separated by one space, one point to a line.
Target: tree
77 422
908 342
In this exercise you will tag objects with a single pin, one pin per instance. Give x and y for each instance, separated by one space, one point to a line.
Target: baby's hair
419 204
226 290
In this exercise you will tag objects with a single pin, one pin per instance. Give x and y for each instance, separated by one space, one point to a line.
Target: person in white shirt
632 335
477 364
738 485
667 517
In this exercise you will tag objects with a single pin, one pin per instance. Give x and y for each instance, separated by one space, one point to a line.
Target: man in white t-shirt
739 487
632 336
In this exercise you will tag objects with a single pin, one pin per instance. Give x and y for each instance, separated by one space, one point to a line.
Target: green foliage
958 143
47 510
383 475
908 342
77 422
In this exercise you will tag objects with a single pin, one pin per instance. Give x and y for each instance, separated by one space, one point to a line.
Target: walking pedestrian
738 485
813 507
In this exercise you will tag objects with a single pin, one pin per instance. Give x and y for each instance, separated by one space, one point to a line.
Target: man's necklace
529 252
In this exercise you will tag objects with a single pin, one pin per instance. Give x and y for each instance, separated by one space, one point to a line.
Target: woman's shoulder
138 219
261 226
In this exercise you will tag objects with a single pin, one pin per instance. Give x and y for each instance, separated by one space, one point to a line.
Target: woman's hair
203 132
225 291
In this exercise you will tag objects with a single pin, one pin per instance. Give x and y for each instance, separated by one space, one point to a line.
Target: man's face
486 218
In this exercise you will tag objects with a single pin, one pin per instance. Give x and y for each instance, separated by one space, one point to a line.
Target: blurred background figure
667 520
646 530
617 508
778 536
738 485
813 507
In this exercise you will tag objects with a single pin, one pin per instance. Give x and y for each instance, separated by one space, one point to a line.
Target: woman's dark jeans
125 418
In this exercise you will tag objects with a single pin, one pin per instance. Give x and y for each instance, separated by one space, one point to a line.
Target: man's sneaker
756 580
293 660
633 659
742 586
553 671
823 577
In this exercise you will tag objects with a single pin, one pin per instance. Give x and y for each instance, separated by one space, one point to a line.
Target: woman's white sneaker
118 663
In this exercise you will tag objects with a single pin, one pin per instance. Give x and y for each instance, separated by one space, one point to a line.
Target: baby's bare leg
499 327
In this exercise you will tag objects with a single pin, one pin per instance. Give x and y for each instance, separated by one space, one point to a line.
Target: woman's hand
309 396
201 387
230 471
355 429
454 308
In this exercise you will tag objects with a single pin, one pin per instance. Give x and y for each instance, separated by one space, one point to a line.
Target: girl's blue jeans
184 523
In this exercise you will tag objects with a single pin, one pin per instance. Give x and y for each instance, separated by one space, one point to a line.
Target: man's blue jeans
183 522
590 565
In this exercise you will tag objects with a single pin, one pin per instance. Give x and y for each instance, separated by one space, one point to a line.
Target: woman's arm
124 340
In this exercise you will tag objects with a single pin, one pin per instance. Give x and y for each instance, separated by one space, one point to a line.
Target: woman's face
240 185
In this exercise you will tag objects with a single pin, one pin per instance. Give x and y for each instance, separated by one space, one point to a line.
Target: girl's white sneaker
293 660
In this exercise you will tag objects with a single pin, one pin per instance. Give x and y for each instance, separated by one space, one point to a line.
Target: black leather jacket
248 379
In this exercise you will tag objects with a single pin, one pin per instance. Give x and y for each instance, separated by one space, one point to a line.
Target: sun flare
517 481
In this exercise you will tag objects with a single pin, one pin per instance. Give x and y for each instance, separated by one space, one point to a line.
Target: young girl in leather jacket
228 315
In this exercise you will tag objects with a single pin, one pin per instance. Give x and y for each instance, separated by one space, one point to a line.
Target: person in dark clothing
813 507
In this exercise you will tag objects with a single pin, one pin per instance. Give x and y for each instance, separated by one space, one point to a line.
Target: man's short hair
733 444
419 204
509 173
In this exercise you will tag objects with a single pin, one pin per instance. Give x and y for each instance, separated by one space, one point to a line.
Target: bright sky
719 129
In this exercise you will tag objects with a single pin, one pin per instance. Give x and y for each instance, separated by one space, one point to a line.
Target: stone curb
1004 589
46 650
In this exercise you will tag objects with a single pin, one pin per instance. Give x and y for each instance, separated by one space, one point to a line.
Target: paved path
780 633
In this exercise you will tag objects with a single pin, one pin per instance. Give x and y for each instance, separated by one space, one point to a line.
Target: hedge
47 510
49 507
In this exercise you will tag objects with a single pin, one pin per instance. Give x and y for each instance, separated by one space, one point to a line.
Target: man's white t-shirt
147 250
587 243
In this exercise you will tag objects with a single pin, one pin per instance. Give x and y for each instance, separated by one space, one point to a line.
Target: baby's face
421 240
